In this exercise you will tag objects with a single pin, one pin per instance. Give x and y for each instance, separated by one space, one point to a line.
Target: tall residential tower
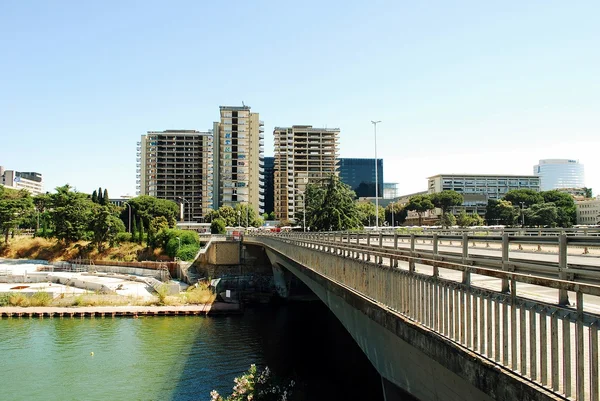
239 159
303 155
177 165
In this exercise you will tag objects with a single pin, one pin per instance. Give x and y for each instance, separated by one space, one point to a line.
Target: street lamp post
239 213
392 214
129 220
376 177
189 208
179 244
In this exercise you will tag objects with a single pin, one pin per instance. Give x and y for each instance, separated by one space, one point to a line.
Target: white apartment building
18 180
303 155
588 211
239 159
560 173
477 189
177 165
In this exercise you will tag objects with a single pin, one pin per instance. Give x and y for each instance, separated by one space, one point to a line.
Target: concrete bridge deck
487 344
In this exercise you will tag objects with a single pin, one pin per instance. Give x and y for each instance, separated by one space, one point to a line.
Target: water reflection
182 358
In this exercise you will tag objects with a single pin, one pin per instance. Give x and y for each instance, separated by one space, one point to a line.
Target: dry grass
199 295
52 250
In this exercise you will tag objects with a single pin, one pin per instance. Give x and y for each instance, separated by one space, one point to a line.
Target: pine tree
105 198
141 238
100 195
95 196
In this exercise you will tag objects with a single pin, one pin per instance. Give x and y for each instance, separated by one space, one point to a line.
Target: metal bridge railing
548 344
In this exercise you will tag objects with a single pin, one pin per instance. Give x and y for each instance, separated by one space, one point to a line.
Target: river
182 358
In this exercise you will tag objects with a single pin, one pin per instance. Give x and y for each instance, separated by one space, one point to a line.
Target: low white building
29 181
588 211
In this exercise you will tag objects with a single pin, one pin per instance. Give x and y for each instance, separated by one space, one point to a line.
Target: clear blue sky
461 86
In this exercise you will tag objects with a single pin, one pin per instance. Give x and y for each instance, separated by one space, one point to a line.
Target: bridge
458 317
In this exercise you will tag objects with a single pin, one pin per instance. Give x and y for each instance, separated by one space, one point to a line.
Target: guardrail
408 245
526 231
550 345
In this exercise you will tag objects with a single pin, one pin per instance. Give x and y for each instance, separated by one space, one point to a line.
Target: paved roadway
592 260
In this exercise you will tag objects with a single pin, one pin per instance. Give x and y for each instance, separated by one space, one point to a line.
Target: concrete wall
224 253
406 354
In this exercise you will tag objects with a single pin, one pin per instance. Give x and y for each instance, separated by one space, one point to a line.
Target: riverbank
217 308
52 250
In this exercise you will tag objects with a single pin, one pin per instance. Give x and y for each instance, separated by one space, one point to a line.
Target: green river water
181 358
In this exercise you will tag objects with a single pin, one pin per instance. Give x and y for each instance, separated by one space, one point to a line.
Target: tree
419 204
147 208
106 227
501 212
95 196
15 206
395 214
71 214
247 215
100 195
476 219
134 229
105 198
446 199
366 213
527 196
566 209
448 220
542 214
463 219
141 232
331 207
217 226
588 192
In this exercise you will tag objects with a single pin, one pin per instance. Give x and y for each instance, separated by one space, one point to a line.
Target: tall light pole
392 214
189 208
129 220
376 177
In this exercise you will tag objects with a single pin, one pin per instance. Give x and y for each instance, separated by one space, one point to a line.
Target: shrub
18 300
4 299
123 237
41 298
188 252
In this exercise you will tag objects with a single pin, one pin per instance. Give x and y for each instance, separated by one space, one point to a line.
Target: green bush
218 226
188 252
123 237
167 239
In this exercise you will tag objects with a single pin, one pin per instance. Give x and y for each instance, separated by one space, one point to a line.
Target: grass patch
51 250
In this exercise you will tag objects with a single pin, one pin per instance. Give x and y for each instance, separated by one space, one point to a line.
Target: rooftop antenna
243 105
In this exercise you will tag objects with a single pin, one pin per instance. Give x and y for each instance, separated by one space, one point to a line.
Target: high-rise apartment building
177 165
359 174
303 155
560 173
239 158
477 189
29 181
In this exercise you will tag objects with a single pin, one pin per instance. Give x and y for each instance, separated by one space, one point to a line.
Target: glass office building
560 173
359 174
